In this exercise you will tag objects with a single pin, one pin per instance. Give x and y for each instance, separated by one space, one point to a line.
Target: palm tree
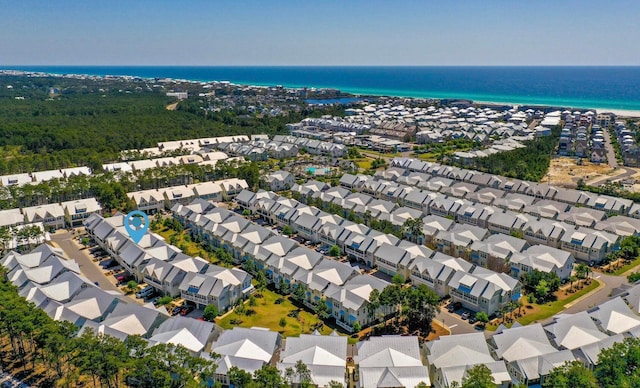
572 279
413 227
581 271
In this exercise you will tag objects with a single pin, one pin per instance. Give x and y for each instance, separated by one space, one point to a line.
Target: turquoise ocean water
581 87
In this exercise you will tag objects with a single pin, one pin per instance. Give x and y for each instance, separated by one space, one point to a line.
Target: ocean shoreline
512 100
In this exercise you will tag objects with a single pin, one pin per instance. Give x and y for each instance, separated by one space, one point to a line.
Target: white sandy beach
617 112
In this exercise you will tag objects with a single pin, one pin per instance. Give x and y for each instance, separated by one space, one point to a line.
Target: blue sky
325 32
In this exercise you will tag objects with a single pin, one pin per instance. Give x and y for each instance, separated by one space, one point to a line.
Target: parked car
186 310
144 292
123 278
465 315
176 310
454 306
155 300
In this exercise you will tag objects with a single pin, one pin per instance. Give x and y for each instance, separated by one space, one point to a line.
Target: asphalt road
613 163
600 296
611 154
628 172
89 269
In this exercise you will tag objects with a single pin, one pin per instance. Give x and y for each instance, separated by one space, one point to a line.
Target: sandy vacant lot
566 172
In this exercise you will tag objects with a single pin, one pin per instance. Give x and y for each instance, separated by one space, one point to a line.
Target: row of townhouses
156 200
42 176
52 216
286 263
517 355
492 248
477 288
527 354
167 269
51 281
202 159
187 146
608 204
587 232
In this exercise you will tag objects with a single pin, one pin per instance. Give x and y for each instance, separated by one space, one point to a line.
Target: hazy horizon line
298 66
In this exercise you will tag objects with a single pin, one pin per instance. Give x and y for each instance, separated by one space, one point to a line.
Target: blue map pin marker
136 224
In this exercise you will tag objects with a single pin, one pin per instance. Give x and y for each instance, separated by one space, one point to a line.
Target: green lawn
364 164
380 154
627 267
548 309
429 156
190 248
268 314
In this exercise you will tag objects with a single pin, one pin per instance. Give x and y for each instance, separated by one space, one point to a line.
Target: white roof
39 213
15 179
387 351
615 316
458 350
123 166
11 217
255 343
574 331
87 205
41 176
178 337
522 342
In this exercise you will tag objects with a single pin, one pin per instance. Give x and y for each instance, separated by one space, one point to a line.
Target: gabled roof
574 331
391 377
356 291
500 245
92 302
253 344
458 350
133 319
542 258
42 212
65 286
11 217
522 342
388 351
614 316
315 349
536 366
590 353
50 269
87 205
190 333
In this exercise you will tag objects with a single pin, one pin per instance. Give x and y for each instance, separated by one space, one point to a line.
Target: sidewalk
601 285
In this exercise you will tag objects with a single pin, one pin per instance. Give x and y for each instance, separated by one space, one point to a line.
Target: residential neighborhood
313 230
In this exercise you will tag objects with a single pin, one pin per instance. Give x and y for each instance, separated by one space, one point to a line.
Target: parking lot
456 318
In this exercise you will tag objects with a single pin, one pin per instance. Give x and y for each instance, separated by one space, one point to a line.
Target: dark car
472 320
454 306
176 310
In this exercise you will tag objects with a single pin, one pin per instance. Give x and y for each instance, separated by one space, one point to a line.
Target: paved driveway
454 323
89 269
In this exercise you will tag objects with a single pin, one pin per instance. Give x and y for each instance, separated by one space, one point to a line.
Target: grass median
549 309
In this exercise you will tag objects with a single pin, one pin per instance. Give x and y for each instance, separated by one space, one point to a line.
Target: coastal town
377 242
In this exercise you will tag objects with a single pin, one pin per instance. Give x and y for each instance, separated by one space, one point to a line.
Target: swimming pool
312 170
